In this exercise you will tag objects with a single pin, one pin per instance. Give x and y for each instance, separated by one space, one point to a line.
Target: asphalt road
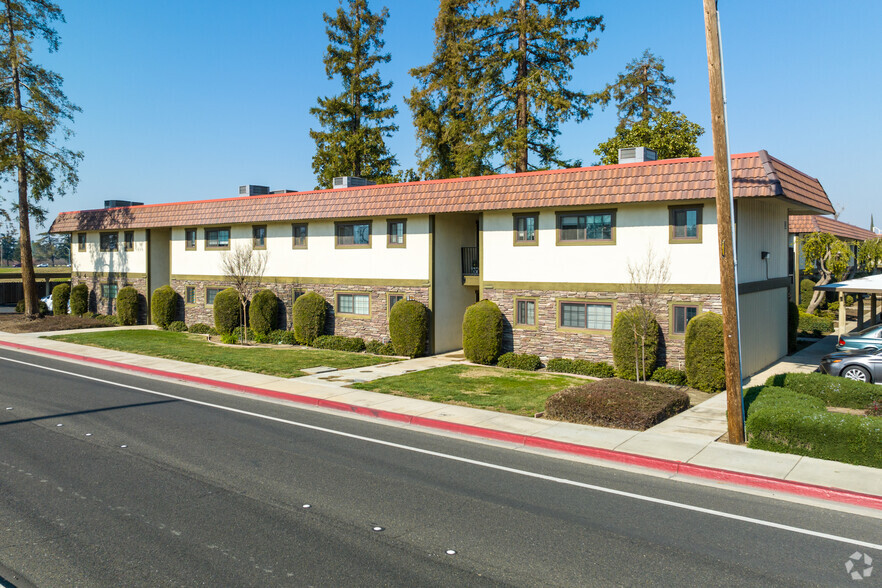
105 485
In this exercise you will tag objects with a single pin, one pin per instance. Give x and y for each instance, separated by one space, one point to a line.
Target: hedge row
595 369
519 361
378 348
669 376
786 421
832 391
811 323
339 343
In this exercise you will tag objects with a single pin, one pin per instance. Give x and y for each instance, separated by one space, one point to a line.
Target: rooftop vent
636 155
351 182
285 191
120 203
250 190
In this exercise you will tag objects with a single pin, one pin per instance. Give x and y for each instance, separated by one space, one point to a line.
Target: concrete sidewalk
685 445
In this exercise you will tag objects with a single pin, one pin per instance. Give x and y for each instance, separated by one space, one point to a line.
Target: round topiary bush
60 298
263 312
226 311
409 327
635 335
806 291
79 299
127 306
482 332
705 357
164 306
309 317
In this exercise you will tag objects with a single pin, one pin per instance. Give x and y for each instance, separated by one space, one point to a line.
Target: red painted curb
655 463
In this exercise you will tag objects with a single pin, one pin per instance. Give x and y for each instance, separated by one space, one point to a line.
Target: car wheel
856 373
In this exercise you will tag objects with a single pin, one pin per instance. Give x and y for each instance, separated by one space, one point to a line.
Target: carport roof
865 285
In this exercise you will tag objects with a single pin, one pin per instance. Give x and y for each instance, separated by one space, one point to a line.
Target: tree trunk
521 164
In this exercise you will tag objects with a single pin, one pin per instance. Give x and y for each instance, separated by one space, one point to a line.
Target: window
525 313
296 294
354 304
393 298
396 231
190 239
586 227
299 232
109 291
129 240
354 234
525 226
81 241
217 238
685 224
109 241
210 293
683 313
586 315
258 236
191 295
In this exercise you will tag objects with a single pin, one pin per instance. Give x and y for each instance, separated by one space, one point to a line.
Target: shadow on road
94 410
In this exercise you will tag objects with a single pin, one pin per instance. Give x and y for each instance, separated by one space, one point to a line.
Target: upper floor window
396 231
299 233
129 240
81 241
258 237
217 238
109 242
525 226
353 234
190 239
685 222
586 227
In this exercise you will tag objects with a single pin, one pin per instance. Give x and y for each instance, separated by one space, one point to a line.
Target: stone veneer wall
101 305
547 341
375 326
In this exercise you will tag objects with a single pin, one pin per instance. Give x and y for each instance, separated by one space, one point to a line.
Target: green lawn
284 362
505 390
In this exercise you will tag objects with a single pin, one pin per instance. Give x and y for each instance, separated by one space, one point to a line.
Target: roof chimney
251 190
636 155
351 182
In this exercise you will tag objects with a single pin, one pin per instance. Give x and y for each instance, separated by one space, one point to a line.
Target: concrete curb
654 463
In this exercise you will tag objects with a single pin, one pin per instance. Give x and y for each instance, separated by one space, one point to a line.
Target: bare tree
244 267
648 279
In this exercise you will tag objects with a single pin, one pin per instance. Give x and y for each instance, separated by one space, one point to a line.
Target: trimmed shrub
79 300
60 298
705 358
339 343
831 390
127 306
241 334
635 335
281 337
200 329
226 311
786 421
41 306
164 306
263 312
849 300
482 332
519 361
792 326
669 376
815 324
616 403
177 326
378 348
806 291
595 369
309 317
409 327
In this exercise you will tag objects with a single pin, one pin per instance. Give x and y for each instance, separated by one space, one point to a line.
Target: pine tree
33 111
451 143
642 92
355 122
520 56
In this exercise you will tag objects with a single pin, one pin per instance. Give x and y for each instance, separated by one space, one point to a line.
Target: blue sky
188 99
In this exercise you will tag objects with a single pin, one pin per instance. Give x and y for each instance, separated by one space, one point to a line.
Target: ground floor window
525 313
683 313
586 315
191 295
393 298
109 291
354 304
210 294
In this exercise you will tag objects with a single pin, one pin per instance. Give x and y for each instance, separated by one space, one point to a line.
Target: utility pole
728 285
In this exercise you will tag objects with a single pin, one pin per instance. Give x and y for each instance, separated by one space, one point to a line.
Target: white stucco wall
638 227
95 260
321 259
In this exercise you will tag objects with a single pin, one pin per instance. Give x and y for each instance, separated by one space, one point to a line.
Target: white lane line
483 464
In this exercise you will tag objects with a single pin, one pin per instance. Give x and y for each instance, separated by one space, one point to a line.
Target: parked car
863 365
42 265
869 337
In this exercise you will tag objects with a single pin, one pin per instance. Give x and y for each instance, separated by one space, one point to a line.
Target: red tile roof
755 175
823 224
